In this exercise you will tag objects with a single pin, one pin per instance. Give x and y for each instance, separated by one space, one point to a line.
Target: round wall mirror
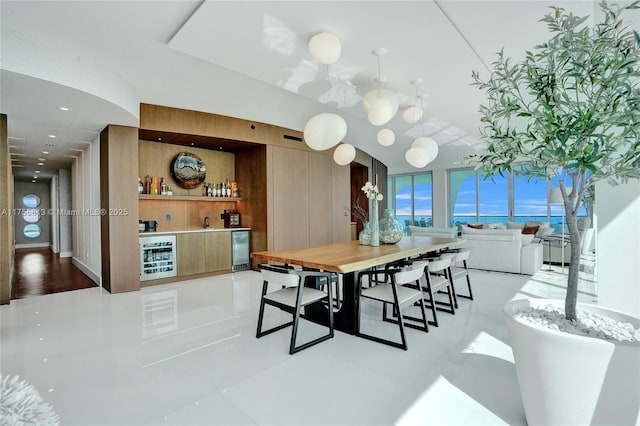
32 231
31 200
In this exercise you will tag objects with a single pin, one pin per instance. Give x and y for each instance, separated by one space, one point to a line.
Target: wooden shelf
186 198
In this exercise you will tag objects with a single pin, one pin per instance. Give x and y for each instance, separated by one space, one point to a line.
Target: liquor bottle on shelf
154 186
163 186
140 186
147 184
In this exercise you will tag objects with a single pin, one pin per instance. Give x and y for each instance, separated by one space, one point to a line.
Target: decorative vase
390 228
567 379
365 235
375 225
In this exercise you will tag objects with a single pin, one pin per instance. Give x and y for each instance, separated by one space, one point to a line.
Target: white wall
64 208
440 196
618 246
55 220
85 177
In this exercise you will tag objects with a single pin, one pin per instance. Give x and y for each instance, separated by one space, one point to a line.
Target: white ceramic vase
567 379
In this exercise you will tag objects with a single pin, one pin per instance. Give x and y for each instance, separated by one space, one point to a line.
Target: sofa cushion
530 229
433 232
527 239
544 231
515 225
494 225
474 226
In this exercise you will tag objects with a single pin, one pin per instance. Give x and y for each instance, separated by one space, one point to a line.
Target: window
529 199
493 194
31 215
472 198
463 203
412 199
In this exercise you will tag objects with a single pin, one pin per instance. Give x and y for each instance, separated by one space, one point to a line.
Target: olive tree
569 111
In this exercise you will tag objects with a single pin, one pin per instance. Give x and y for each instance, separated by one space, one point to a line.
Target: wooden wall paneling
155 160
118 192
290 198
320 199
6 220
158 209
341 202
379 172
251 175
270 189
190 253
359 176
176 120
217 250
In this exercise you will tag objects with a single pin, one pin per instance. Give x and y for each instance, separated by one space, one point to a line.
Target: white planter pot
573 380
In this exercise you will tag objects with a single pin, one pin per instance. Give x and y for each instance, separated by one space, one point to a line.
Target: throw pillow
530 229
543 232
474 226
515 225
527 239
495 225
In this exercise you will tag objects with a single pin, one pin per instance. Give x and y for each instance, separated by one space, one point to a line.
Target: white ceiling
249 60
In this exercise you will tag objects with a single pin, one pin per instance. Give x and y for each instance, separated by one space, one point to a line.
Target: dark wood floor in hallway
40 271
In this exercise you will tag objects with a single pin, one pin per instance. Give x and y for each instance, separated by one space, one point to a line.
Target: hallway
40 271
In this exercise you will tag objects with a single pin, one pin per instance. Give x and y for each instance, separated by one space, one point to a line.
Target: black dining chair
392 291
292 296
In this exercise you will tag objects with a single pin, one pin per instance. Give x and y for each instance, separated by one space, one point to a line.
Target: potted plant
569 111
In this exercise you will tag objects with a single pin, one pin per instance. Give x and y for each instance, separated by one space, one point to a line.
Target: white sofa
433 232
505 250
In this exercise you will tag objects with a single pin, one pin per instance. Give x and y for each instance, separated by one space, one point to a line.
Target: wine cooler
157 257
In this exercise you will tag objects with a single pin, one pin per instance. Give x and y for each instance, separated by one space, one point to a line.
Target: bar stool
292 297
393 292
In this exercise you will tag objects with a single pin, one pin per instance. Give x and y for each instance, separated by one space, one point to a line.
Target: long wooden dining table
348 259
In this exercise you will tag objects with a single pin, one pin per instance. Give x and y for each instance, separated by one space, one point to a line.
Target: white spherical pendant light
412 114
370 97
324 131
325 47
344 154
386 137
417 157
427 143
380 112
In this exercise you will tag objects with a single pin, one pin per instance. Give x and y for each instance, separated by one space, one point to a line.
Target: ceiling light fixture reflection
45 152
63 108
52 136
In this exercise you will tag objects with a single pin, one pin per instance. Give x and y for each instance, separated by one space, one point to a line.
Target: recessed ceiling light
52 136
63 108
159 139
45 152
37 171
42 159
35 177
192 144
33 180
220 147
40 164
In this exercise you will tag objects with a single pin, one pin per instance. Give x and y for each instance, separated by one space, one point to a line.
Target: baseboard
53 249
33 245
87 271
66 254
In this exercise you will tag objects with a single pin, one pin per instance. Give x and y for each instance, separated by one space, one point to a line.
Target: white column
618 246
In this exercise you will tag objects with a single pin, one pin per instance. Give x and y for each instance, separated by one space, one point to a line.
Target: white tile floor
186 354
